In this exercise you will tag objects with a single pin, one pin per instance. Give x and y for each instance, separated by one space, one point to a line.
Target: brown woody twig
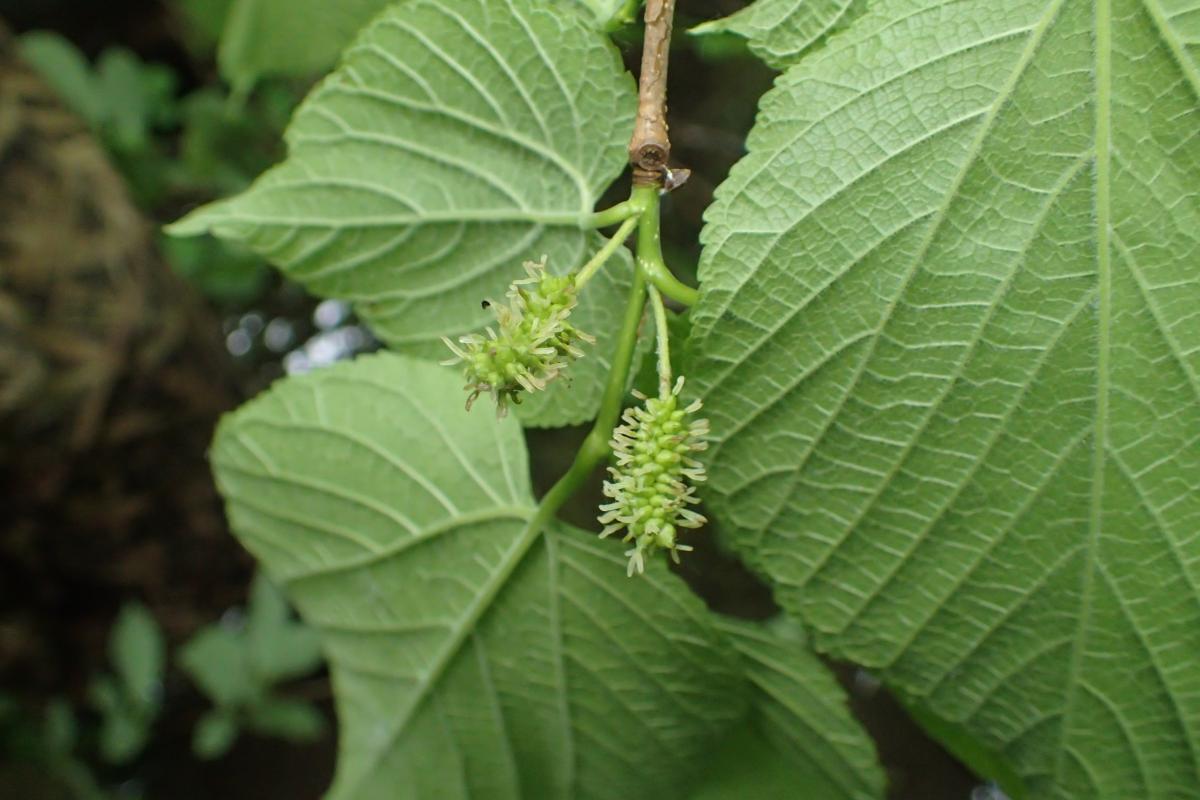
650 147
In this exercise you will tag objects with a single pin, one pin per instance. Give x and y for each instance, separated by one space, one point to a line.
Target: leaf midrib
462 630
1103 145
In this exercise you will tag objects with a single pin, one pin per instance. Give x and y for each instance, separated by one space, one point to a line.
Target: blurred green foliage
205 20
612 15
125 101
48 742
238 667
256 39
174 150
129 698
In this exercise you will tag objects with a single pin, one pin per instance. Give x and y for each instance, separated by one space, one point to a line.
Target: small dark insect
485 304
674 178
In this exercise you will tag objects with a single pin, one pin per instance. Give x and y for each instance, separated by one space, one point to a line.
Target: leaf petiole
589 269
614 214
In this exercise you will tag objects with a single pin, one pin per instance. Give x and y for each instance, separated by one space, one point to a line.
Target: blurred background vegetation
139 655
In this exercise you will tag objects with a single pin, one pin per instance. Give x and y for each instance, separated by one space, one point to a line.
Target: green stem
641 208
649 249
595 448
610 247
618 377
614 214
664 347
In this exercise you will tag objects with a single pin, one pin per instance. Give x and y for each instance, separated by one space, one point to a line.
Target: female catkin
533 346
653 476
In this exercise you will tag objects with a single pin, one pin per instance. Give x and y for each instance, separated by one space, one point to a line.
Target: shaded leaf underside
949 340
798 710
473 656
458 139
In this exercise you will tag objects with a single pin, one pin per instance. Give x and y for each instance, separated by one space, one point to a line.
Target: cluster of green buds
651 486
534 344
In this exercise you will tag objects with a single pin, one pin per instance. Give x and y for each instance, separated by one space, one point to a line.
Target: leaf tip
710 28
196 222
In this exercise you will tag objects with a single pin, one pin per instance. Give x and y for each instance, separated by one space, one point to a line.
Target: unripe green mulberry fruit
652 480
534 344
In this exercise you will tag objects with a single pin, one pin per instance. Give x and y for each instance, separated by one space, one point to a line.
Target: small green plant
129 698
944 337
51 741
173 149
238 666
125 100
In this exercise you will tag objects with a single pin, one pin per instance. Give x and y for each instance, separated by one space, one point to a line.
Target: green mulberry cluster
534 344
651 486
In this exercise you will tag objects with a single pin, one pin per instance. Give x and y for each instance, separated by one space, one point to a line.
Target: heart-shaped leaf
472 655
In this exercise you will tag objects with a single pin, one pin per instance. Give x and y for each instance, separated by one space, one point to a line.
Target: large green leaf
800 733
949 342
458 139
780 32
471 655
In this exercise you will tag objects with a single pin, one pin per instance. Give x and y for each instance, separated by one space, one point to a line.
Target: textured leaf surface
949 340
800 732
781 31
470 656
458 139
